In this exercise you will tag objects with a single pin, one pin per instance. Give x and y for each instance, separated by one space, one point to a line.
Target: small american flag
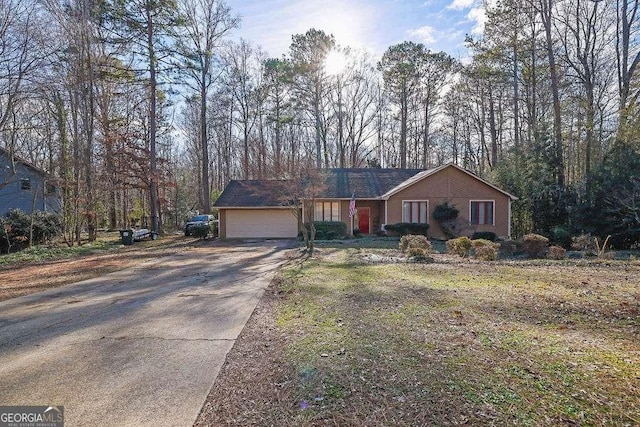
352 205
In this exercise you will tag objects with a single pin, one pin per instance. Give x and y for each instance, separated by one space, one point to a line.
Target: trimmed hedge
414 241
404 228
416 246
485 250
330 230
557 252
535 245
460 246
484 235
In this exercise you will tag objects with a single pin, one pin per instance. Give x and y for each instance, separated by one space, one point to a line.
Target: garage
259 223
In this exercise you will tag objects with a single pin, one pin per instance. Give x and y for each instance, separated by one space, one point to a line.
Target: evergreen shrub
445 212
485 235
404 228
330 230
14 229
560 236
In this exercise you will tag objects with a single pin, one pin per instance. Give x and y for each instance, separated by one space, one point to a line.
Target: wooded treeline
144 109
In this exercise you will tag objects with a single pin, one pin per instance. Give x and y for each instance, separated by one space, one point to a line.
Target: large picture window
326 211
482 212
415 211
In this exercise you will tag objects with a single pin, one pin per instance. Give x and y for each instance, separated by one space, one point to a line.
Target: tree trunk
204 146
318 140
403 127
547 17
153 170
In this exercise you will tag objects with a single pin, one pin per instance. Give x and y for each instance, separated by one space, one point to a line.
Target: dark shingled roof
366 183
253 193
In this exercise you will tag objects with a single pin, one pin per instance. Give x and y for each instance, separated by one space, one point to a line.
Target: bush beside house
328 230
17 229
405 228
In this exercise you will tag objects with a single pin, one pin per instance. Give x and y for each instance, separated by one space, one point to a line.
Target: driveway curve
139 347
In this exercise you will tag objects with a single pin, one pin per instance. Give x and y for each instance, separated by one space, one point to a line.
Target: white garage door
261 223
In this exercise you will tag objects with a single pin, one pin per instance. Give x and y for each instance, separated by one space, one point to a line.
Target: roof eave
254 207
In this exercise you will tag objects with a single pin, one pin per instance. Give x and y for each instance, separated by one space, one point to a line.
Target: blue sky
370 24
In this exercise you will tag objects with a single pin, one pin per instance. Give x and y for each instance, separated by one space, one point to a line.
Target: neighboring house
26 187
258 209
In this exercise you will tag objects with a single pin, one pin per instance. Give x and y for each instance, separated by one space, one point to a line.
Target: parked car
198 220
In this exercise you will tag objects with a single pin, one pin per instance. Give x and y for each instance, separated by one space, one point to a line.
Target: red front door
363 220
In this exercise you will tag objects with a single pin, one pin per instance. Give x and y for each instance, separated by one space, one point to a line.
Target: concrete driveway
139 347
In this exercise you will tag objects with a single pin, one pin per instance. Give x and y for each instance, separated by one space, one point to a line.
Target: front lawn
340 341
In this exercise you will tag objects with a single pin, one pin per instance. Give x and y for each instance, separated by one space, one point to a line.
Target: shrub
330 230
560 236
419 254
333 229
485 235
404 228
535 245
584 242
357 232
557 252
413 241
447 215
511 247
485 250
14 229
459 246
445 212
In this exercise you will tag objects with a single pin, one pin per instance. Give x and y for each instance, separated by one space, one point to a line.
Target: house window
25 184
326 211
50 189
415 211
482 212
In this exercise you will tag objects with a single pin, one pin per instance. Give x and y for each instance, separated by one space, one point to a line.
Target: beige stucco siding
459 189
257 223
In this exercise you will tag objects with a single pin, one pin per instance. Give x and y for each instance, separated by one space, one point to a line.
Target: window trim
322 202
426 201
50 189
25 184
493 211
